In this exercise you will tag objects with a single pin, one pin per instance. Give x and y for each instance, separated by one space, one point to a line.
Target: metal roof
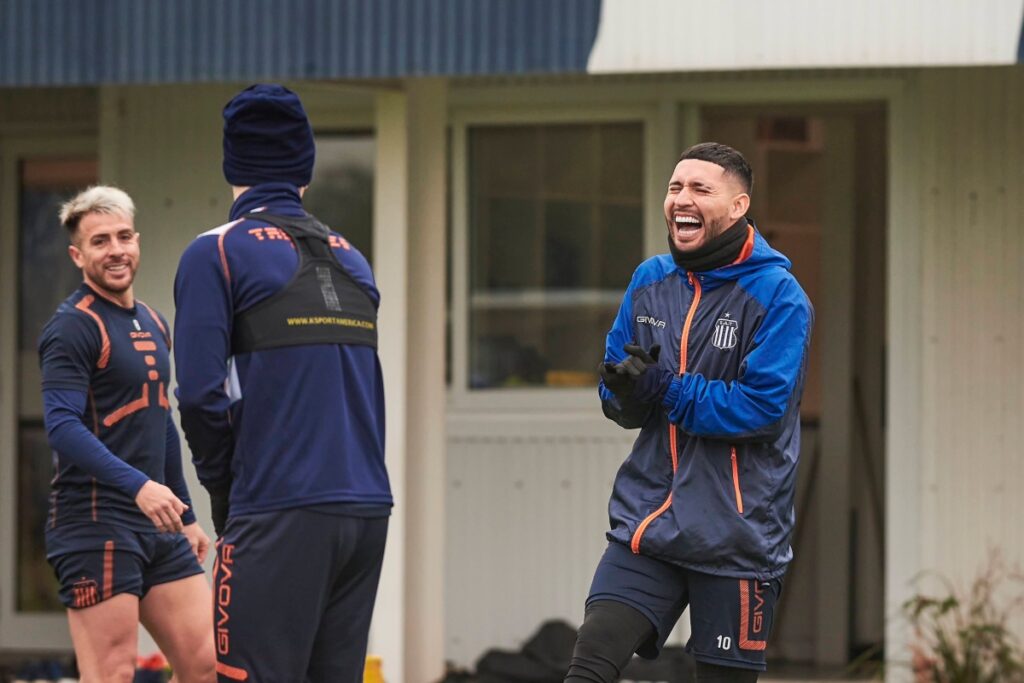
89 42
86 42
736 35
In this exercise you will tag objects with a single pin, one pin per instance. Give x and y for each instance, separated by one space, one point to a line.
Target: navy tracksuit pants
293 596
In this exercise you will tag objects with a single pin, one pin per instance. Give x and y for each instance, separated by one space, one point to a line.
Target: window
341 191
46 277
555 232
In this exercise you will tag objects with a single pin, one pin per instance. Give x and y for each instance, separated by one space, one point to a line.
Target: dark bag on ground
543 659
546 655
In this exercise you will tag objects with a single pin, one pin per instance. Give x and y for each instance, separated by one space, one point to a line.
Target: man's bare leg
105 637
177 614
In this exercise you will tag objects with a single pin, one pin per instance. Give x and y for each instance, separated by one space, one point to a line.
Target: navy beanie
267 138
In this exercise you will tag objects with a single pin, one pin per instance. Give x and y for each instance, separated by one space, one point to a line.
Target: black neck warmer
719 251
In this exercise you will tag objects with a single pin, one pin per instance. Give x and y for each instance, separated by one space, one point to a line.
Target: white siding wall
526 517
969 200
956 391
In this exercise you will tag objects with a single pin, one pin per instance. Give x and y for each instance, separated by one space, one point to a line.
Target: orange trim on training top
156 319
748 247
129 408
232 672
736 481
162 397
144 345
224 255
84 307
673 441
745 642
108 569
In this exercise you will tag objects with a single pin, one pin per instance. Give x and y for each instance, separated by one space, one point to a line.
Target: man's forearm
211 441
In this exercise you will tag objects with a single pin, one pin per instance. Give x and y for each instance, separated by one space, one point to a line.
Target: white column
409 258
904 437
425 411
835 322
390 258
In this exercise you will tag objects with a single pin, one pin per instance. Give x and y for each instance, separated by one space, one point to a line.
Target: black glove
219 509
637 359
619 383
650 380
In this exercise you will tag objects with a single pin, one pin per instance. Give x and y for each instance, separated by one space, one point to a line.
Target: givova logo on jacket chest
650 320
726 333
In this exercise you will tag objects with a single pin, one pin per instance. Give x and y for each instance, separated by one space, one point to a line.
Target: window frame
461 398
20 630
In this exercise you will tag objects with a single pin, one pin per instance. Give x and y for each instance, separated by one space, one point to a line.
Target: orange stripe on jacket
736 481
108 569
84 307
748 247
144 346
634 543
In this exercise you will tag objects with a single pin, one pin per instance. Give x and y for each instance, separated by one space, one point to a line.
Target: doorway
820 198
36 176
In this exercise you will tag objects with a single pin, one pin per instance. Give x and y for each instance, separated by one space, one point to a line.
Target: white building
503 162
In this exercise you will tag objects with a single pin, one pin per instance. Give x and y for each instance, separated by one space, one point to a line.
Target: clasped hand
638 376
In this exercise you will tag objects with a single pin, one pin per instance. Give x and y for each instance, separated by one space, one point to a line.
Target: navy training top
105 373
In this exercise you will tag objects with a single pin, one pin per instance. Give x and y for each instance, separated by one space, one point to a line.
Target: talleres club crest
726 334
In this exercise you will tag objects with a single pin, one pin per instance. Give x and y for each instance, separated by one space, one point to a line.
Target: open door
819 197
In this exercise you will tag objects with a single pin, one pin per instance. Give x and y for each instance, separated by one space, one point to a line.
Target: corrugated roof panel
694 35
79 42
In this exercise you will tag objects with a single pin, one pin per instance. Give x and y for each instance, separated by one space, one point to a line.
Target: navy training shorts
730 618
94 561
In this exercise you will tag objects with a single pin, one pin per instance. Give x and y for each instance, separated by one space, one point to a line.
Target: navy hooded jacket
709 484
287 427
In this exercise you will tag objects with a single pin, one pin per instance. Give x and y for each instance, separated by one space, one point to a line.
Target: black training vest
322 304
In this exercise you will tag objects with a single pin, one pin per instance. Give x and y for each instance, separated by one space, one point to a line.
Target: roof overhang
92 42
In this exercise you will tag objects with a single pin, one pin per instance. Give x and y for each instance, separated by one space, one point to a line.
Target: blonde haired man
120 535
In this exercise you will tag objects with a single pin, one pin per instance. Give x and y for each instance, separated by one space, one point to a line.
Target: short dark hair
725 156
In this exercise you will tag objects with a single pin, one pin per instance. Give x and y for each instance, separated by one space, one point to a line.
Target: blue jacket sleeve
627 413
202 335
64 414
752 407
174 475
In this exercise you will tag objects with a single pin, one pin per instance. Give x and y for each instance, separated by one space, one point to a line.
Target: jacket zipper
672 431
736 481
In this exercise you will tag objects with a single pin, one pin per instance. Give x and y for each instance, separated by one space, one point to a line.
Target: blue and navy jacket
105 372
710 481
287 427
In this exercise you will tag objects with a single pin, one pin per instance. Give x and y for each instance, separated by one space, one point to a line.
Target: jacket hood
762 256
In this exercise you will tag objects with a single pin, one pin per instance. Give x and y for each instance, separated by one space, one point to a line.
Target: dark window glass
341 192
46 276
556 229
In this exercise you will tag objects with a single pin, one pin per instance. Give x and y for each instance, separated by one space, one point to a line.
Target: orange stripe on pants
108 569
745 642
232 672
